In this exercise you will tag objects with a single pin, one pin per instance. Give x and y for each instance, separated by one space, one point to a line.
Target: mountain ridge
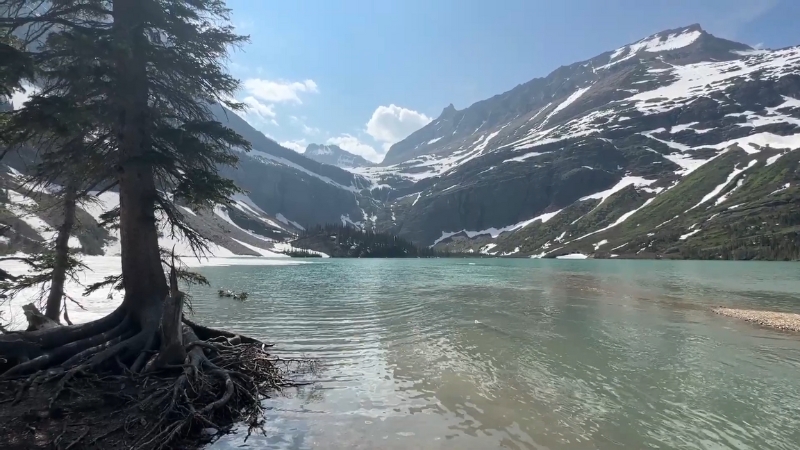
523 97
683 152
335 156
626 127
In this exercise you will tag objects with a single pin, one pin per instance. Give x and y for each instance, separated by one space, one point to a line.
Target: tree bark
172 350
144 281
53 308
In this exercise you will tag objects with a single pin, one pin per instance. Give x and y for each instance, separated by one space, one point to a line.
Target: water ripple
439 354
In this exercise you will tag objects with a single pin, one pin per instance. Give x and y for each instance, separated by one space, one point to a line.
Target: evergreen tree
127 90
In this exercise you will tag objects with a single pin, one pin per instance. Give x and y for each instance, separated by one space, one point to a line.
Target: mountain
283 182
27 222
677 145
335 156
286 192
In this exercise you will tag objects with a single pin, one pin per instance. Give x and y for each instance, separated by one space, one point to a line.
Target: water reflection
438 354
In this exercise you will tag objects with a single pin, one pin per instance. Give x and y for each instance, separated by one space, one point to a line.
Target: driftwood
37 320
229 294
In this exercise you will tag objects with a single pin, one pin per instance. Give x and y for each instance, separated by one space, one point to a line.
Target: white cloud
262 111
279 91
299 145
390 124
353 145
307 130
311 131
261 96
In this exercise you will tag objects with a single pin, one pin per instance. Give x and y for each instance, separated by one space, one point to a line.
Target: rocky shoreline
771 319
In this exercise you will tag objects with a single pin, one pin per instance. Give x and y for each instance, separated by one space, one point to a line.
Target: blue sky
366 73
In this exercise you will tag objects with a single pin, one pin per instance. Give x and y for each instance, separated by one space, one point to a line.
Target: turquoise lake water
520 354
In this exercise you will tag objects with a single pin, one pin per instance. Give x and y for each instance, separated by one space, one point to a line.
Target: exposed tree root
206 333
221 381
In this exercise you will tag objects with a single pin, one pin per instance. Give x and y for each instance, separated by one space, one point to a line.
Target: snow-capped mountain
240 228
282 181
680 126
679 145
335 156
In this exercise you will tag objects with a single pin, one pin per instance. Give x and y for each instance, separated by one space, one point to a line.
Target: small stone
209 431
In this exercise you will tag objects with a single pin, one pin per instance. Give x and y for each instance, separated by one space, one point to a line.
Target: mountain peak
334 155
691 43
319 149
448 110
693 28
690 31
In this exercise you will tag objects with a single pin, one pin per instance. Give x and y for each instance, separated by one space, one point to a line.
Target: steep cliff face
613 139
282 181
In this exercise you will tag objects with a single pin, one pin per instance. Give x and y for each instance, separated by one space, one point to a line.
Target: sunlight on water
520 354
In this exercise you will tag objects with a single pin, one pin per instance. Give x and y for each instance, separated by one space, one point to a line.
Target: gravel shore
777 320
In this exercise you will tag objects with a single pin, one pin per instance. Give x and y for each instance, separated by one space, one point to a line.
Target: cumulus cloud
261 95
262 111
311 131
390 124
299 145
353 145
279 91
307 130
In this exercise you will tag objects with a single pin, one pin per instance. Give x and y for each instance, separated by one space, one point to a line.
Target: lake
521 354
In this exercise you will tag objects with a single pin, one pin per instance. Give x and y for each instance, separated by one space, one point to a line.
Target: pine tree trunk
53 308
144 281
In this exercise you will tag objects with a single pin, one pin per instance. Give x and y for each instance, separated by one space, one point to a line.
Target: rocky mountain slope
285 191
238 229
678 145
283 182
335 156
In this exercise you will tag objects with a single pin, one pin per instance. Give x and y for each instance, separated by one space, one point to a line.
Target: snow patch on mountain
286 221
494 232
573 256
653 44
570 100
622 184
623 218
700 79
722 185
523 157
272 159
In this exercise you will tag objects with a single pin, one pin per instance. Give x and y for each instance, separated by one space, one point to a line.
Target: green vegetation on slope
342 241
753 215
